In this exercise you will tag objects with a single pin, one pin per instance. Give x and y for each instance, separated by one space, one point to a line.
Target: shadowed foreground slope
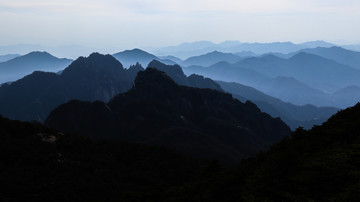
321 164
41 164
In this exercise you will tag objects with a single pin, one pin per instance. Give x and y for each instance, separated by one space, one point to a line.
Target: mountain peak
152 78
303 55
131 57
39 54
133 53
93 63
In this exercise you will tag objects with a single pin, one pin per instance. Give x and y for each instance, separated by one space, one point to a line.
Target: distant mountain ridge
97 77
338 54
302 79
211 58
20 66
4 58
306 115
186 50
131 57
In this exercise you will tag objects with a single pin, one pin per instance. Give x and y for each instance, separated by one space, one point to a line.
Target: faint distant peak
134 53
39 53
229 43
201 43
221 63
318 43
301 55
270 56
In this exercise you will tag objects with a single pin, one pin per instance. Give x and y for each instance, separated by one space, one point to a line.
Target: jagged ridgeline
97 77
101 77
205 123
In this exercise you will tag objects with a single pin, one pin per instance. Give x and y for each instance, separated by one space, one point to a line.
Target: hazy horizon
126 24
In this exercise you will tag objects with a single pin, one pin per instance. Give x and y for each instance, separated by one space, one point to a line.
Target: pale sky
139 23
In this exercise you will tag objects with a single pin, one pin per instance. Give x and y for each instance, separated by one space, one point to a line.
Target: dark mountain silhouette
210 59
177 74
321 164
338 54
203 123
294 116
41 164
20 66
4 58
97 77
174 71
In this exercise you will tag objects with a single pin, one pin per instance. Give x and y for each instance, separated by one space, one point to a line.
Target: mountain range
116 133
210 59
320 164
101 77
4 58
302 79
186 50
338 54
293 115
204 123
97 77
21 66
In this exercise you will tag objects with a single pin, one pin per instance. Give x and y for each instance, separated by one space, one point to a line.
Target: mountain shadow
321 164
204 123
42 164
